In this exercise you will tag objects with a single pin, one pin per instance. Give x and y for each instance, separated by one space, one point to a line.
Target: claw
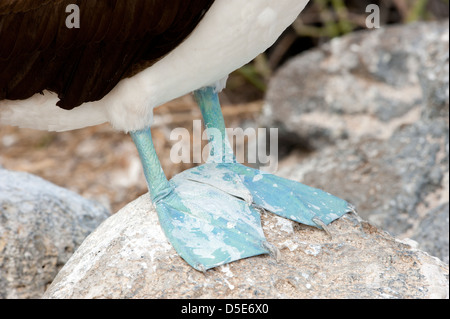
274 252
354 212
200 268
322 225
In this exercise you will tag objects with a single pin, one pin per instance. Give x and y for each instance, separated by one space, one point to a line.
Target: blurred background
102 164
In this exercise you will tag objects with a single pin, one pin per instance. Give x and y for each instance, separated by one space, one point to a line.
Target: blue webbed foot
278 195
281 196
209 227
210 213
291 199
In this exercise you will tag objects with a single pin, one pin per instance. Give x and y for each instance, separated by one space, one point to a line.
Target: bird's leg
220 148
157 183
207 226
278 195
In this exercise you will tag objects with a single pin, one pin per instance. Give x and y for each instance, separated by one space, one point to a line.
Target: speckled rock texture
41 225
361 85
373 106
129 257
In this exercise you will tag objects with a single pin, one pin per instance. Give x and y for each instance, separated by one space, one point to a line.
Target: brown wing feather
116 39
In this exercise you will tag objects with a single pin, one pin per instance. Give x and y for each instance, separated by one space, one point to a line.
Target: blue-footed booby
68 64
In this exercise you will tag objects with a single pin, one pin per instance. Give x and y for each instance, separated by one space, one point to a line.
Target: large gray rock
361 84
375 107
129 257
432 232
41 225
396 184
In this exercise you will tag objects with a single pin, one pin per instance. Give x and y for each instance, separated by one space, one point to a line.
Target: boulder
373 106
41 225
396 184
362 84
128 256
432 232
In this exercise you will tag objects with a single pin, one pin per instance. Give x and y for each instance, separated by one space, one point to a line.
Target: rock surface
399 184
41 225
374 106
129 257
361 84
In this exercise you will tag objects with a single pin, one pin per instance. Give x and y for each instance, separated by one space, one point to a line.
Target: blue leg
208 227
278 195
